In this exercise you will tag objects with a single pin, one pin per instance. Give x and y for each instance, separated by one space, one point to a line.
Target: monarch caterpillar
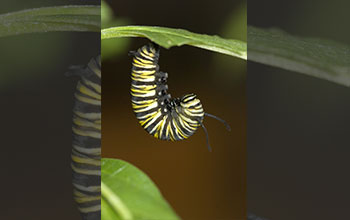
160 115
86 152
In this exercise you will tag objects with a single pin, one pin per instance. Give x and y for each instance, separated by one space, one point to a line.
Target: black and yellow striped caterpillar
160 115
86 152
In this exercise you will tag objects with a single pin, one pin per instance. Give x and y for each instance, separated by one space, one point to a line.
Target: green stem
115 202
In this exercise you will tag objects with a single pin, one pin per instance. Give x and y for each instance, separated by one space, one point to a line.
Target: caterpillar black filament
160 115
86 152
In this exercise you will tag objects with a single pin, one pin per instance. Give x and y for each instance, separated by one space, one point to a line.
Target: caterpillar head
192 107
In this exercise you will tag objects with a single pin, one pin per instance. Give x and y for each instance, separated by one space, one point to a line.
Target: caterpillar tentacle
219 119
206 136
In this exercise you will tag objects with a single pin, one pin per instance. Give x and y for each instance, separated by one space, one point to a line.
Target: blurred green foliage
106 13
33 56
112 47
234 27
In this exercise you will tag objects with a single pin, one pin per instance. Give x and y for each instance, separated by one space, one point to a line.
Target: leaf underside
58 18
319 58
169 37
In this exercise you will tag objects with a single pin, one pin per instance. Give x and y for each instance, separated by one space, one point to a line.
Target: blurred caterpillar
86 152
160 115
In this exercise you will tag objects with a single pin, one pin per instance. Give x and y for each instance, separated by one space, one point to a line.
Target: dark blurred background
36 112
197 184
298 126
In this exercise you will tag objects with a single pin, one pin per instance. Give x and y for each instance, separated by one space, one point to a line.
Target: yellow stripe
188 119
143 95
140 62
143 60
145 121
176 130
162 126
156 134
156 129
194 113
170 131
148 119
84 123
88 100
96 86
145 101
140 118
87 133
146 72
149 107
91 189
190 104
143 91
95 68
83 89
91 151
86 171
140 106
90 116
185 125
154 118
147 54
152 115
179 131
148 79
144 66
87 199
86 160
146 87
79 194
90 209
143 76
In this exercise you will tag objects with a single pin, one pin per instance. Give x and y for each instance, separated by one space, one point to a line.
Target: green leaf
127 193
168 37
323 59
60 18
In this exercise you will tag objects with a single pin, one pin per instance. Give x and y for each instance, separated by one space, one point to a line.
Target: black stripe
92 216
140 114
151 126
86 142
